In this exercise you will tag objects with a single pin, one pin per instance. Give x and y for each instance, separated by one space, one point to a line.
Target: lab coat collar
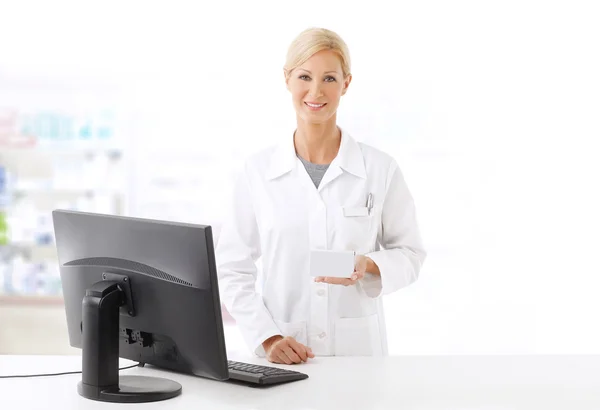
349 158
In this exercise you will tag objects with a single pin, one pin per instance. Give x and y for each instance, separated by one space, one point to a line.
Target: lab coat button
321 292
322 335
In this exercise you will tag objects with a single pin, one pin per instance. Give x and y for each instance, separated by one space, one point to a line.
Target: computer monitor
143 290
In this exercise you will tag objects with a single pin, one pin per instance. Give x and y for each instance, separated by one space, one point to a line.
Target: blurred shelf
51 191
38 253
58 151
66 190
30 300
47 198
28 245
32 253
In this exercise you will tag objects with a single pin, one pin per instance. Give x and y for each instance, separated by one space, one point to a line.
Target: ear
347 81
287 79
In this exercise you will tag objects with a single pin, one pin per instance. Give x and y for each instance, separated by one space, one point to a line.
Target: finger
319 279
300 350
340 281
333 281
357 275
309 352
283 357
273 358
291 354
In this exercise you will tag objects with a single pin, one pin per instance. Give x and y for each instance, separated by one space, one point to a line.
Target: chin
312 118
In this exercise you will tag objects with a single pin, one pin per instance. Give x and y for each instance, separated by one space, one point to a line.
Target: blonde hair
310 42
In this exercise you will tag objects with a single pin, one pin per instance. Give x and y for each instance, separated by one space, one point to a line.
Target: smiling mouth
315 106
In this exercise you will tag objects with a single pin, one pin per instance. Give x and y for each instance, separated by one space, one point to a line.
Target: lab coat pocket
358 336
297 330
355 211
354 227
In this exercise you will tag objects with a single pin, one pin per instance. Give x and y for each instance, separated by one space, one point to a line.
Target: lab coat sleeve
237 250
401 251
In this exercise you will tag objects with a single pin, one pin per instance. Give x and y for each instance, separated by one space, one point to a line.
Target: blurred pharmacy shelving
70 145
60 148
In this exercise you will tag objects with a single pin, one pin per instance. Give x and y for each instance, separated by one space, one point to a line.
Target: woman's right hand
286 350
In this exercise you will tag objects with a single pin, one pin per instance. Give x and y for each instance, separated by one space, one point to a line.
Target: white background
490 107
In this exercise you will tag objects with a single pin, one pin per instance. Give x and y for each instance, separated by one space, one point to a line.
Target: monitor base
132 389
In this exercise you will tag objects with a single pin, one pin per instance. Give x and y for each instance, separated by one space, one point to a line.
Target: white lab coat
279 215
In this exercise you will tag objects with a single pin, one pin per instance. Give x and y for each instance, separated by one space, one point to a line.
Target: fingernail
354 277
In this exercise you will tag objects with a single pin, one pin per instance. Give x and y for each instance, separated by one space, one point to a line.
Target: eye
304 77
330 79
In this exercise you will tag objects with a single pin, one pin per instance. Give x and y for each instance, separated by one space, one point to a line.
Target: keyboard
262 375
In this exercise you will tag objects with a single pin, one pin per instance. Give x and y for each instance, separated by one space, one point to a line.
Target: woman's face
317 86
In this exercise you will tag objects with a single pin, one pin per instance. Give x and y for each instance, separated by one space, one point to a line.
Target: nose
315 89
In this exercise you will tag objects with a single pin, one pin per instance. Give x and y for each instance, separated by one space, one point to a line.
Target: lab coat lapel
282 160
348 159
331 174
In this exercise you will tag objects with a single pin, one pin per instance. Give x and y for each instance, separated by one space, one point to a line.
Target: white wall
491 108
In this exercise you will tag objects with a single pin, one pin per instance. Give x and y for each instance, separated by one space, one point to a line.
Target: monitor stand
100 349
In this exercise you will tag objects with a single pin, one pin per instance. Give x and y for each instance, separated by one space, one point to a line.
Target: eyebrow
326 72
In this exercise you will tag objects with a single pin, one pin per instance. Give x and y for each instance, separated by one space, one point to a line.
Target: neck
317 143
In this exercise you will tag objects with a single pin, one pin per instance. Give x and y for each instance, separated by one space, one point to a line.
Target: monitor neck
100 339
100 343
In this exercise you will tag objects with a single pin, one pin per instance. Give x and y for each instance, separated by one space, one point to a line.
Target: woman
311 192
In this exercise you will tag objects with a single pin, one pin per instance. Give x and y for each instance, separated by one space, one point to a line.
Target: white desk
416 382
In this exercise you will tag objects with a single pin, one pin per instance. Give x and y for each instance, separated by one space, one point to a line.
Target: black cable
61 374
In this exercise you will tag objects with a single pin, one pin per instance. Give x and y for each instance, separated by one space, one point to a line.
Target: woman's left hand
360 268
